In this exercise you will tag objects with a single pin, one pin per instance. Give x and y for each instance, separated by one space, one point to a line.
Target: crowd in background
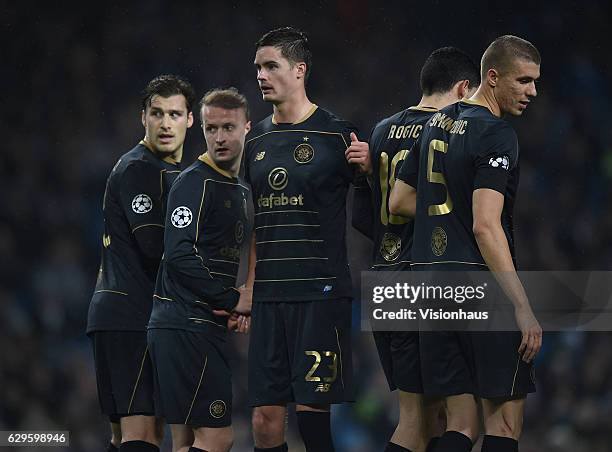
71 107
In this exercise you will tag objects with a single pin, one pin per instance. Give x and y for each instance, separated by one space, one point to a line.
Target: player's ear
142 119
247 126
461 89
492 76
301 69
189 119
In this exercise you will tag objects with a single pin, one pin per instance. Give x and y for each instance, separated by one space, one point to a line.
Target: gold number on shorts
333 366
317 356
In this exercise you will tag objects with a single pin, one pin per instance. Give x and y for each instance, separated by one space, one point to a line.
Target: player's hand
245 301
532 333
359 153
235 322
239 323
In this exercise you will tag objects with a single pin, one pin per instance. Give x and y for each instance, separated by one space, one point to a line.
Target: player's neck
484 96
232 169
437 101
293 110
228 169
174 158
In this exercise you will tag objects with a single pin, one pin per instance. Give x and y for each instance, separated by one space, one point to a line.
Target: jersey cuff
410 179
230 301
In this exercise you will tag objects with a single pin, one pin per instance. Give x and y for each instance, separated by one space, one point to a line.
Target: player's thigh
499 370
124 373
503 417
400 359
320 351
193 377
269 369
446 363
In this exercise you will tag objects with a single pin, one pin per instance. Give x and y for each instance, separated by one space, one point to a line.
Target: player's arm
362 212
250 281
491 178
402 200
493 245
241 323
188 204
141 200
246 294
252 254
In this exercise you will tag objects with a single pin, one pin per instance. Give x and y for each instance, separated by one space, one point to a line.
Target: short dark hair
502 53
292 43
167 85
444 68
228 98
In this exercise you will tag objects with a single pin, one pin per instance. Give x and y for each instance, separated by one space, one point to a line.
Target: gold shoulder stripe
111 291
423 108
206 159
322 132
148 224
146 144
308 114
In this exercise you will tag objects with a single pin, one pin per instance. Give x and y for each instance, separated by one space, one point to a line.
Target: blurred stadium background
71 106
